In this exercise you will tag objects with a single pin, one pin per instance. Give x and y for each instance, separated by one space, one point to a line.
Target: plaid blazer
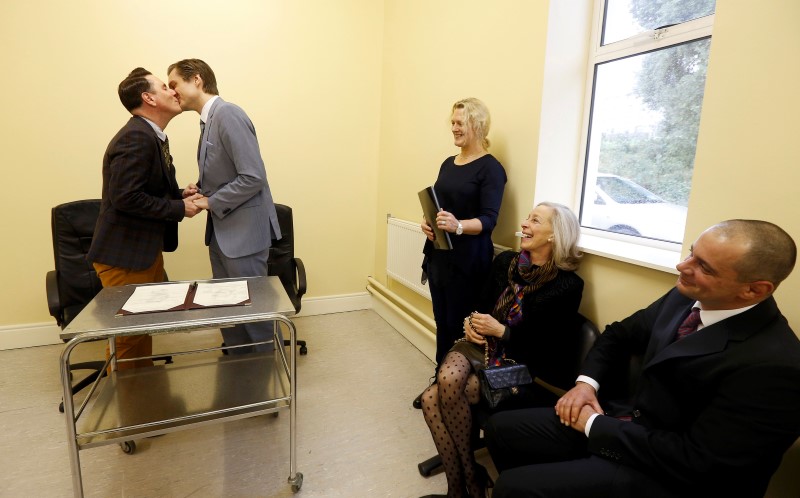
141 204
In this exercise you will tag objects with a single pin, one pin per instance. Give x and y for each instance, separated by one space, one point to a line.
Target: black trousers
537 456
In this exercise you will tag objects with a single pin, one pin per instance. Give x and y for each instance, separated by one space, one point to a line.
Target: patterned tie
690 324
165 152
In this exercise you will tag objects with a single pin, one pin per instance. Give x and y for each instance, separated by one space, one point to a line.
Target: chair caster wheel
128 447
303 350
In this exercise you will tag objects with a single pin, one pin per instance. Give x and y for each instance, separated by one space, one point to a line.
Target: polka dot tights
445 406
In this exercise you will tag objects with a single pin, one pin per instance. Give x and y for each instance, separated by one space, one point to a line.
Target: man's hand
201 202
570 408
586 412
190 206
190 190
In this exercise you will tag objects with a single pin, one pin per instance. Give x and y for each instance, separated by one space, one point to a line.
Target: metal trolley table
137 403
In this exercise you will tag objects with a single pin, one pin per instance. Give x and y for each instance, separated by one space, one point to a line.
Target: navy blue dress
456 277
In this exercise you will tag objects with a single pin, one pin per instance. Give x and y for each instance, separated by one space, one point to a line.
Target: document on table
221 293
186 296
161 297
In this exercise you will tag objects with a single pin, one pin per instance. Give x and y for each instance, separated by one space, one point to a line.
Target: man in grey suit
241 214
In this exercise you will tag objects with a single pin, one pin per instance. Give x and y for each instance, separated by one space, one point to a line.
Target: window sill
656 255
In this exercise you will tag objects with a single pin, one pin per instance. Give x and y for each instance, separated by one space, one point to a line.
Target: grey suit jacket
233 177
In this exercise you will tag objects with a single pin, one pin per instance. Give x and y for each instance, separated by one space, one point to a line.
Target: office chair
74 282
587 334
284 265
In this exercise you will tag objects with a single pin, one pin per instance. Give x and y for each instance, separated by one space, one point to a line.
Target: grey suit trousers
247 266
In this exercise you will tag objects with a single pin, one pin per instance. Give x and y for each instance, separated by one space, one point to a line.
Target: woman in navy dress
469 189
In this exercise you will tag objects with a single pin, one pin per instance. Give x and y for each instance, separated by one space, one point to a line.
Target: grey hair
566 230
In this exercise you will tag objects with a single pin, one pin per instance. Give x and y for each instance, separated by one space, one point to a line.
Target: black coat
714 412
546 338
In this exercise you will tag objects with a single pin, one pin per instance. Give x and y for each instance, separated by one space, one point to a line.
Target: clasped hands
193 201
576 406
478 325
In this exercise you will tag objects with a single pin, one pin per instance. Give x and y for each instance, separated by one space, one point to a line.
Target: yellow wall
747 160
434 54
307 73
351 100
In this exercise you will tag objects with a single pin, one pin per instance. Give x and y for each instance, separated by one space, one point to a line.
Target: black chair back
587 334
281 261
72 225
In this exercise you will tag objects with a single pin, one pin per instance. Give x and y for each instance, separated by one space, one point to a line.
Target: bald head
768 252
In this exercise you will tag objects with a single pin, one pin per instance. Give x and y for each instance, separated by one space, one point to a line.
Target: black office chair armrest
53 299
301 277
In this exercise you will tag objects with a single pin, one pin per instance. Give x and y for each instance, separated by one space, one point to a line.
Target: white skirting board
41 334
29 335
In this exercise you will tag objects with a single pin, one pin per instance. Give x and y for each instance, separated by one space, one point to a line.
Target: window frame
649 253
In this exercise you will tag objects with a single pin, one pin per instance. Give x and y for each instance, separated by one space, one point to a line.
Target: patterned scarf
508 308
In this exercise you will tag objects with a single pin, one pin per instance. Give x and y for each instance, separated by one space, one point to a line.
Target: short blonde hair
477 117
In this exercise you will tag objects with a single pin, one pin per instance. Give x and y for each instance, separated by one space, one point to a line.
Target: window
648 68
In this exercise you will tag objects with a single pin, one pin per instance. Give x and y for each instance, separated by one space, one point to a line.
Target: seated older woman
527 307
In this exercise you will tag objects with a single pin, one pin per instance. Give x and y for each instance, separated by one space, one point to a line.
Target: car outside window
647 77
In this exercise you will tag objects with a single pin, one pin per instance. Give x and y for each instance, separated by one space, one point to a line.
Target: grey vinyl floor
357 434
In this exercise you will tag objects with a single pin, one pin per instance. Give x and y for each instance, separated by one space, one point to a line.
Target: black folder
430 206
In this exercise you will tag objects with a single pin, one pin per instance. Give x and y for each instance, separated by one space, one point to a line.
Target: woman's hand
471 334
446 221
427 230
478 325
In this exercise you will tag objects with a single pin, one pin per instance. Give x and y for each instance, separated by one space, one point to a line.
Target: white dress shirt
707 317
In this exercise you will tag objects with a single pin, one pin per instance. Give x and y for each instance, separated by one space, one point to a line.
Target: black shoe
417 403
484 481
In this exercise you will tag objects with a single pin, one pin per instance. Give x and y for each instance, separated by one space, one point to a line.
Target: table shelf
145 402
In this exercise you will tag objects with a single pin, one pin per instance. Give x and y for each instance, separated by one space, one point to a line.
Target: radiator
404 254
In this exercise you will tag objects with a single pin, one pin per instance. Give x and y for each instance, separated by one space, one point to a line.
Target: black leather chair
283 264
74 282
587 333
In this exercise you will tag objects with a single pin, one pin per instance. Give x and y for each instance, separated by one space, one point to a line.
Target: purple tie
690 324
